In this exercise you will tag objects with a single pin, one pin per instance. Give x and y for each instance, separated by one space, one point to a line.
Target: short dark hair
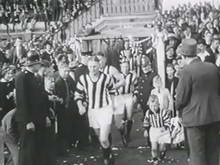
94 58
61 56
170 66
99 54
152 98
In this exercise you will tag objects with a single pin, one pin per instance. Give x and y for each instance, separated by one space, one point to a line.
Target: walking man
198 102
96 89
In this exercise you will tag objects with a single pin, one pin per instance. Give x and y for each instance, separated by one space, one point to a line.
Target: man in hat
31 114
197 100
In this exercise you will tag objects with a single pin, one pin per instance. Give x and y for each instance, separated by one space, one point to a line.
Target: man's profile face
64 72
170 71
216 43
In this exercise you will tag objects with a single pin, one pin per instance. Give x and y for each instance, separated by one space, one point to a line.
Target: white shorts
160 135
100 117
121 102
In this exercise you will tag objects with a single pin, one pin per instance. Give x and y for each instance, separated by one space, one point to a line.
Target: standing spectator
66 110
171 84
216 26
18 53
212 50
201 50
6 90
31 114
15 20
162 93
55 9
144 84
23 19
6 19
10 135
46 15
198 102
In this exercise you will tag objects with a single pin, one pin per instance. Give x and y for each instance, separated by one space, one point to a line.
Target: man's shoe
112 159
106 161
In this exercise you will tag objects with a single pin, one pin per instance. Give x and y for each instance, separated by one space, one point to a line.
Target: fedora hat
33 60
188 48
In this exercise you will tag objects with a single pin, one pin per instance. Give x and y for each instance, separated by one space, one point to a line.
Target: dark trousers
204 144
51 145
66 136
82 130
32 145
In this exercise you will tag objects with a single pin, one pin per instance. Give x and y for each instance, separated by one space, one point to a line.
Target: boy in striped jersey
96 89
158 121
125 102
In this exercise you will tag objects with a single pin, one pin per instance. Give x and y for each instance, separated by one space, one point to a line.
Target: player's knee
154 150
104 142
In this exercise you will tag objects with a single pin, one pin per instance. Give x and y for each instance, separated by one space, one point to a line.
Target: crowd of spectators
200 22
26 11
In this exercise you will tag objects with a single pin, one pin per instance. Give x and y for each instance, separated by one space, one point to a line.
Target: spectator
200 115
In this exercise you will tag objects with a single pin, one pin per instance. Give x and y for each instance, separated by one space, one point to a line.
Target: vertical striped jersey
130 84
97 93
158 119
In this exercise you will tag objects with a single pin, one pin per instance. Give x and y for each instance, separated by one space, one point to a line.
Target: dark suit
171 85
198 100
211 57
143 89
6 103
66 112
31 107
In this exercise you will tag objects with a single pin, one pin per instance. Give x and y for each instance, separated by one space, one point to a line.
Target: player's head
124 66
94 65
102 59
153 103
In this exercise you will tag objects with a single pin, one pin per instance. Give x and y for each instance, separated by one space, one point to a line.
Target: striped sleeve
146 122
135 84
80 89
110 85
166 118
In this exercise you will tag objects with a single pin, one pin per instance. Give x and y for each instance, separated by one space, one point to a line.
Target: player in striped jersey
159 122
125 102
110 70
97 88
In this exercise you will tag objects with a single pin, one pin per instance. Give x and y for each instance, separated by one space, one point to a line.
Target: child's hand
146 134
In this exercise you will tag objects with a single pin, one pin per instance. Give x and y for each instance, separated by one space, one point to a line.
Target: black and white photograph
109 82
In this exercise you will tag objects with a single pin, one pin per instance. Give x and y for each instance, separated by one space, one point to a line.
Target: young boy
158 121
